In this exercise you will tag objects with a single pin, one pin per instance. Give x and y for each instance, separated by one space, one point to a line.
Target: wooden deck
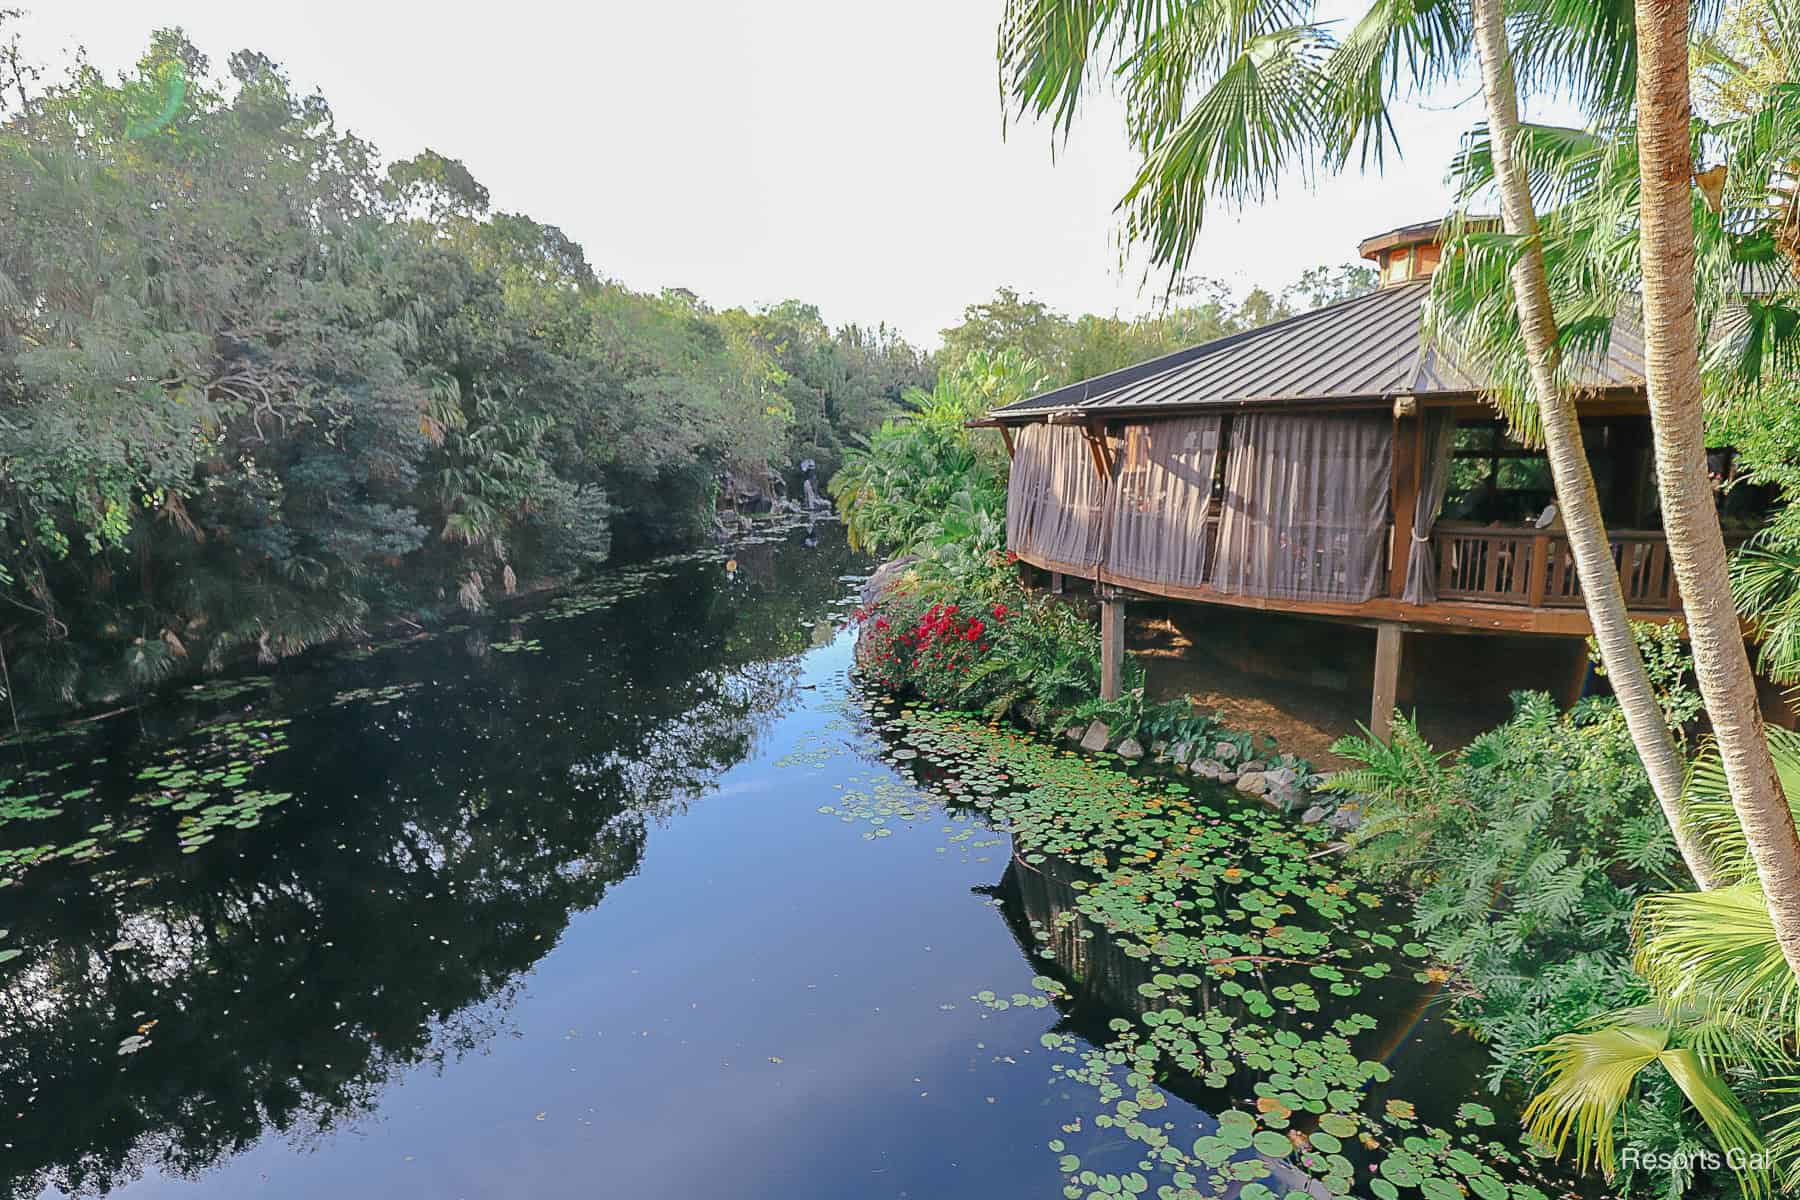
1490 580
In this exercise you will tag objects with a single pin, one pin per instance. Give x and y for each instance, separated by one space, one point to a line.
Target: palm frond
1590 1075
1716 952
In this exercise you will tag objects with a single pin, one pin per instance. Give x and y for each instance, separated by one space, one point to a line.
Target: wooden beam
1388 645
1096 452
1112 647
1445 616
1006 435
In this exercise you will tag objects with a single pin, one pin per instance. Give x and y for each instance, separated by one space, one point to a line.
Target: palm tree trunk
1690 519
1576 498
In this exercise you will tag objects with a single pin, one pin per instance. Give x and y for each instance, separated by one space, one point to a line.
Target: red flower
1011 557
881 623
1000 611
974 631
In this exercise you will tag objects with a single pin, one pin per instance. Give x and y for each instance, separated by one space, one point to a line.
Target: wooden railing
1535 567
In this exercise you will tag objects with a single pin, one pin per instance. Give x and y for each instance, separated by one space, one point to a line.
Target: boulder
1284 786
1254 783
1347 817
1208 768
1228 776
1094 740
1182 753
1130 748
1225 752
1313 815
1074 732
885 576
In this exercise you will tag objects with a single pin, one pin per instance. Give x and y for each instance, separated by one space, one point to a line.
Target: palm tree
1223 99
1690 520
1575 493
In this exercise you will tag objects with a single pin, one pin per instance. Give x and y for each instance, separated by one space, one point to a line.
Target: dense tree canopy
253 385
1197 310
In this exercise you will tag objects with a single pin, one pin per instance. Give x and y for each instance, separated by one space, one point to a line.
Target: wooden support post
1056 582
1388 638
1112 647
1582 669
1006 435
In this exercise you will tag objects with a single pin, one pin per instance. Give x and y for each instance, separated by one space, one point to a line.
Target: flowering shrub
1003 650
930 655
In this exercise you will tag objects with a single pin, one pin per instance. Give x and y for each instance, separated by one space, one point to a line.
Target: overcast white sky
845 152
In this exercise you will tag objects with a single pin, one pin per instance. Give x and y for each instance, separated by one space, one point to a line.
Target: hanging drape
1306 505
1156 529
1434 481
1055 500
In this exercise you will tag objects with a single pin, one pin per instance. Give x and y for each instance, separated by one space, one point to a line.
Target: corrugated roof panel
1369 346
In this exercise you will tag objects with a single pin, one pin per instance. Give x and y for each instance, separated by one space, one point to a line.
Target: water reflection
441 841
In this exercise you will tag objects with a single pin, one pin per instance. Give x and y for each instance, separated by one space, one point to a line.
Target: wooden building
1337 466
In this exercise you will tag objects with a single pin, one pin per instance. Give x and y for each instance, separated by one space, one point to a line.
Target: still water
562 903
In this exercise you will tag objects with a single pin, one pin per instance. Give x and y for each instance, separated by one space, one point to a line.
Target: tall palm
1690 520
1224 98
1561 431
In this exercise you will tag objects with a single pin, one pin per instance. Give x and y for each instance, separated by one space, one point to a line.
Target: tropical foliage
1640 1013
256 387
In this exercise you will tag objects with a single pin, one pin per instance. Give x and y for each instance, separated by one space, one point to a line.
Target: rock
1347 817
885 576
1228 776
1225 752
1130 748
1207 768
1253 782
1284 786
1159 750
1094 740
1313 815
1073 733
1182 753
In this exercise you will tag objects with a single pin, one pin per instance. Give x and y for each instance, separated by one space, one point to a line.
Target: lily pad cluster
1248 970
375 696
204 778
519 646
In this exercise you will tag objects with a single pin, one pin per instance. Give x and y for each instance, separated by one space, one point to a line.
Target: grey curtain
1157 515
1055 500
1306 505
1434 482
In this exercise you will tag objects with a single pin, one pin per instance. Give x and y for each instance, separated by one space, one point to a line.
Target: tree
1690 520
1226 108
1578 501
1007 322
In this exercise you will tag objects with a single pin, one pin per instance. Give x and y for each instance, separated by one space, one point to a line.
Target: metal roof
1371 347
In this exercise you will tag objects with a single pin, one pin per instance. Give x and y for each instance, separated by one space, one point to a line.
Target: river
620 892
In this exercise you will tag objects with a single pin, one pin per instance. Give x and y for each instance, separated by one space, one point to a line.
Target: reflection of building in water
1103 983
1039 903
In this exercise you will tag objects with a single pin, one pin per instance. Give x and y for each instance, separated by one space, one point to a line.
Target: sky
843 152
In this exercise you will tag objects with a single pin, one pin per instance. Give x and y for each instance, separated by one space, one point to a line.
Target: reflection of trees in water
436 850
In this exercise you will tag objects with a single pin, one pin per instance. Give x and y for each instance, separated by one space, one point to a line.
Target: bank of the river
636 893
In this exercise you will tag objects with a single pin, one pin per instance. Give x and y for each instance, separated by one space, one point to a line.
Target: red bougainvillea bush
994 651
